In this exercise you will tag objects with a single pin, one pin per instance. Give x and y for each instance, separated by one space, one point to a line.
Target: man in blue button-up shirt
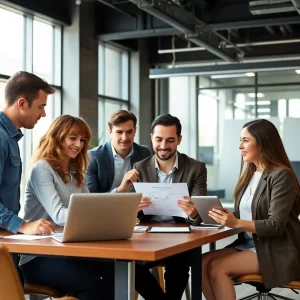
25 101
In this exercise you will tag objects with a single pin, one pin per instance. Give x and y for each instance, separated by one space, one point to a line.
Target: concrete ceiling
258 35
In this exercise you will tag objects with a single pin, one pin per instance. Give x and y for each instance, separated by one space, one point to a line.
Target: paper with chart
164 197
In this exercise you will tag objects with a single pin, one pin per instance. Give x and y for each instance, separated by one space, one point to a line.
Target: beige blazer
275 211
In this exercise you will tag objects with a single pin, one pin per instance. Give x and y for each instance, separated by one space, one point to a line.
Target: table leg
124 280
212 246
196 273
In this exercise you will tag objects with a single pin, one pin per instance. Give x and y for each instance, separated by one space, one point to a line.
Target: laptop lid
204 204
97 217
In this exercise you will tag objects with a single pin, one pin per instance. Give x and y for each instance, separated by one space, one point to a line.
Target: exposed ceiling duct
262 7
194 29
297 5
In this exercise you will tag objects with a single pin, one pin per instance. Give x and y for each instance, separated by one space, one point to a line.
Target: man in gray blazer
167 165
110 167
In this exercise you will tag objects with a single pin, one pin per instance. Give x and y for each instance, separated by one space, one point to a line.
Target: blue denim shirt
10 175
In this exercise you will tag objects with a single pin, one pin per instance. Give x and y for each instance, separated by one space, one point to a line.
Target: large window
43 50
12 41
2 86
113 86
35 47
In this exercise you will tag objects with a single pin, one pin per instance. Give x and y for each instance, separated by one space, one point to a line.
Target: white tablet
204 204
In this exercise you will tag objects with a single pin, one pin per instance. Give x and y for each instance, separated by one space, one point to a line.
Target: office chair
36 290
162 282
262 292
160 278
10 286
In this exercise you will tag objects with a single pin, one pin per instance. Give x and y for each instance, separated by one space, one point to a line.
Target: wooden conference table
142 246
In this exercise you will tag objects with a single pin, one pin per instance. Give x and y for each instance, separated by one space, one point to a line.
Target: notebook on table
99 217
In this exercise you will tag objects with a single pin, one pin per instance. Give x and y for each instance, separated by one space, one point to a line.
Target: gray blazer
275 211
191 171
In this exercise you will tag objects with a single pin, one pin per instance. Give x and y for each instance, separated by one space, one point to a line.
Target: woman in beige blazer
267 206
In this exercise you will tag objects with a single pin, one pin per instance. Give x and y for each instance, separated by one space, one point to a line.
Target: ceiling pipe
297 5
195 30
224 69
271 30
255 59
109 4
289 28
240 45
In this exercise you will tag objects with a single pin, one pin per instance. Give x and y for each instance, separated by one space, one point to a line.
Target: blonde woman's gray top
47 197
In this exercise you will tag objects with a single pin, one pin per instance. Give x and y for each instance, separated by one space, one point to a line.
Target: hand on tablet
225 218
188 207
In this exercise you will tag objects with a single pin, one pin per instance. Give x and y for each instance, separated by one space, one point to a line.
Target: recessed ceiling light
259 95
264 116
217 76
297 71
263 110
264 102
234 75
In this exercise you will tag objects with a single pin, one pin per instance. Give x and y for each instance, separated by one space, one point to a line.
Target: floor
244 289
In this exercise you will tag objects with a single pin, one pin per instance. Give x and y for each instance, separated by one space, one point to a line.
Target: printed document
27 237
164 197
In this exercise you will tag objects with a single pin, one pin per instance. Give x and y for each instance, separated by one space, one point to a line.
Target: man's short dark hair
121 116
25 85
167 120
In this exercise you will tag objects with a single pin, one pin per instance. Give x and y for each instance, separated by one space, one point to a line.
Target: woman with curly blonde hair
59 165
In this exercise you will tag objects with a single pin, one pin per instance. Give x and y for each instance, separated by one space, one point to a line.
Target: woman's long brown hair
273 155
51 145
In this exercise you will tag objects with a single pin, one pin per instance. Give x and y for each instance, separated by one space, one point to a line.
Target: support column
141 93
80 66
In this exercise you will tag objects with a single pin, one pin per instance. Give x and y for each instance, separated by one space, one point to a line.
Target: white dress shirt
122 165
165 178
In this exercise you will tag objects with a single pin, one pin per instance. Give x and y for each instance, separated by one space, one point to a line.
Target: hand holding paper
188 207
164 198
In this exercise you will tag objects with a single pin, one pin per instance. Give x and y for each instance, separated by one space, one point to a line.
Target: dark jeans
176 278
84 279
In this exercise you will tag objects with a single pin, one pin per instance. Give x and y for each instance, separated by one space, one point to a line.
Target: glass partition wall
226 102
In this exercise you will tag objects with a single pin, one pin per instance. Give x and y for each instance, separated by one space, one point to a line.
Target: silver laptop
98 217
204 204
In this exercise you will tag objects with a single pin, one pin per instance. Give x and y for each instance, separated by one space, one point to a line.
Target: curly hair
51 146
